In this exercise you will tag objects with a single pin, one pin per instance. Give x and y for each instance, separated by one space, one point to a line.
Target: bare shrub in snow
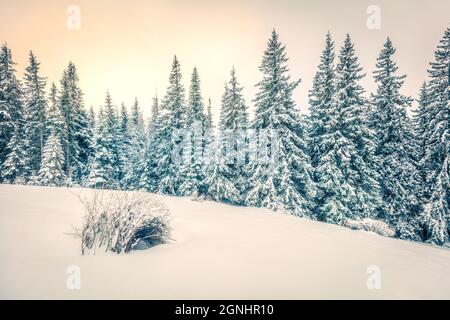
371 225
123 221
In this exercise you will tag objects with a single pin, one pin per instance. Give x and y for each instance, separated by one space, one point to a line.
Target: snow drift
217 252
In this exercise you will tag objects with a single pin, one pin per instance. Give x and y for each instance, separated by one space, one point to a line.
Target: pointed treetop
209 120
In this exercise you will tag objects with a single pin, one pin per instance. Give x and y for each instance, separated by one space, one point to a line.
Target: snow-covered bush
371 225
123 221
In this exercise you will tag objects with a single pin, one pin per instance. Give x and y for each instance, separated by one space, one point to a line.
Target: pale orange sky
127 46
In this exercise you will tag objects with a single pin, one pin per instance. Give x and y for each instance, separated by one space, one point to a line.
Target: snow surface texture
218 252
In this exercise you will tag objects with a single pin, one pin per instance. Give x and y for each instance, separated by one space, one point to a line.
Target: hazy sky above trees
127 46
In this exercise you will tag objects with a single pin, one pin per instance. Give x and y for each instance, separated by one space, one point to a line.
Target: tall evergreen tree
154 117
192 167
435 216
123 139
320 101
284 180
134 167
320 118
149 178
15 168
11 110
54 119
51 172
435 122
234 125
91 117
420 120
209 117
399 178
218 176
355 111
169 139
76 140
35 104
105 164
346 180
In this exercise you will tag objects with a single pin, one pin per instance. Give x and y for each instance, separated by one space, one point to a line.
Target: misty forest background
354 156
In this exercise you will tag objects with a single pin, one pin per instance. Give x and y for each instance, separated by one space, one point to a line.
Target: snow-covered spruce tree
356 114
35 104
192 164
420 122
399 178
154 117
123 139
209 118
209 134
346 180
169 138
51 172
15 168
54 119
91 117
436 137
104 164
134 167
77 139
218 176
233 127
149 176
435 216
320 102
320 117
11 110
284 179
419 126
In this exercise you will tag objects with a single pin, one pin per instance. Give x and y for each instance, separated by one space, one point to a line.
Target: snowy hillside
218 252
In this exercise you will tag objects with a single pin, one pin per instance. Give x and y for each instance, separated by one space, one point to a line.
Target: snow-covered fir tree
283 179
15 168
233 126
399 179
54 119
347 188
153 121
91 117
123 143
320 101
149 178
35 104
435 216
420 120
169 137
51 172
192 164
435 122
218 176
355 111
209 133
104 167
11 110
77 137
134 166
320 119
209 117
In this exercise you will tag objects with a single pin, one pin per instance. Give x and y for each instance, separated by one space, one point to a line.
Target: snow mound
371 225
